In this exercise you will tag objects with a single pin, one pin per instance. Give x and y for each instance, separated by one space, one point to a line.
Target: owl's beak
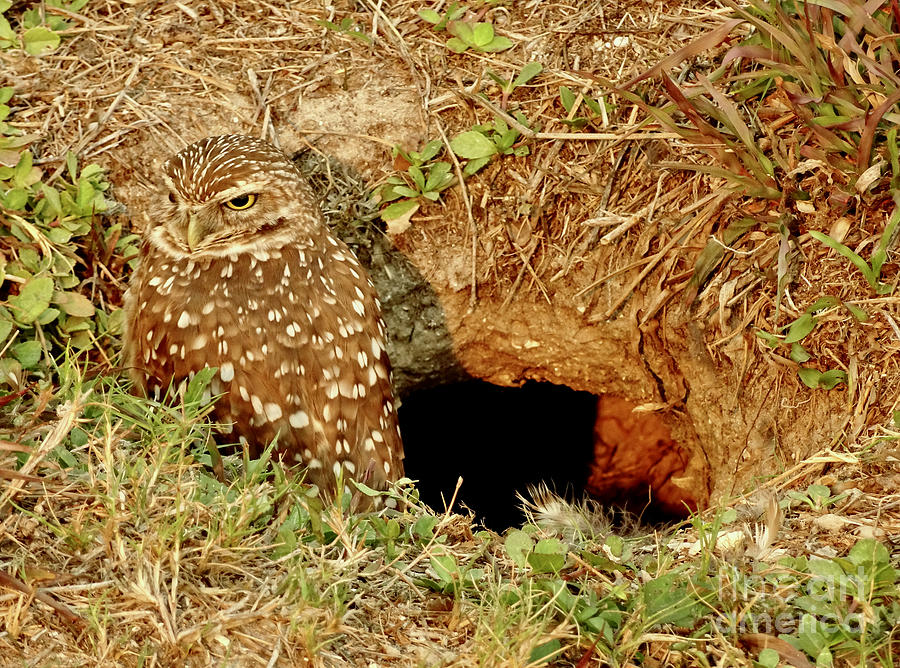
196 231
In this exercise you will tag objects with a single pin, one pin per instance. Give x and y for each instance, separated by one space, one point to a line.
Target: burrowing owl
240 272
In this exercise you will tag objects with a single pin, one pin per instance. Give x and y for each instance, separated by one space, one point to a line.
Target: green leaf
423 529
7 34
594 106
6 327
85 196
6 93
567 97
473 145
529 72
463 31
800 328
398 209
668 600
28 353
198 384
429 15
868 551
40 40
858 313
857 261
456 45
72 165
815 379
546 563
33 299
439 176
54 205
799 354
831 378
822 303
417 176
482 34
48 316
404 191
16 199
810 377
544 652
431 150
497 44
474 165
445 567
518 545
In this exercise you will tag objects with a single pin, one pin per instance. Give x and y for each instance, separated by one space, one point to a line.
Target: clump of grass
809 82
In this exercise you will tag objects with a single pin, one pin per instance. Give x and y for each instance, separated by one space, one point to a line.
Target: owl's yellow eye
241 202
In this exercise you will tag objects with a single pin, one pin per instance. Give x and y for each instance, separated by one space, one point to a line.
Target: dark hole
500 440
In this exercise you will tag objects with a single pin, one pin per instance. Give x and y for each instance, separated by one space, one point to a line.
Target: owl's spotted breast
291 322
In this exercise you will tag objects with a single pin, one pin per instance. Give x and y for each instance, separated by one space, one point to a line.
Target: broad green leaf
85 196
417 176
668 600
482 34
5 328
815 379
594 106
473 145
868 551
7 34
800 328
463 31
799 354
48 316
497 44
398 209
51 196
456 45
439 176
546 562
810 377
529 72
832 378
474 165
40 40
33 299
28 353
431 150
404 191
445 567
423 529
430 15
518 545
16 199
544 652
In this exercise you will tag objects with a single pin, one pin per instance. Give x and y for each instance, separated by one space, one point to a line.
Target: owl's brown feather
281 307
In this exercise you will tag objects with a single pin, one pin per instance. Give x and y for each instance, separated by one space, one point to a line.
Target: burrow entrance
501 440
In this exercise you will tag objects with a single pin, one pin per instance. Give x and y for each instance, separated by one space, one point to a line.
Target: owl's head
231 193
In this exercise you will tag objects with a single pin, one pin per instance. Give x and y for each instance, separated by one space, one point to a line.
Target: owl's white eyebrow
242 188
